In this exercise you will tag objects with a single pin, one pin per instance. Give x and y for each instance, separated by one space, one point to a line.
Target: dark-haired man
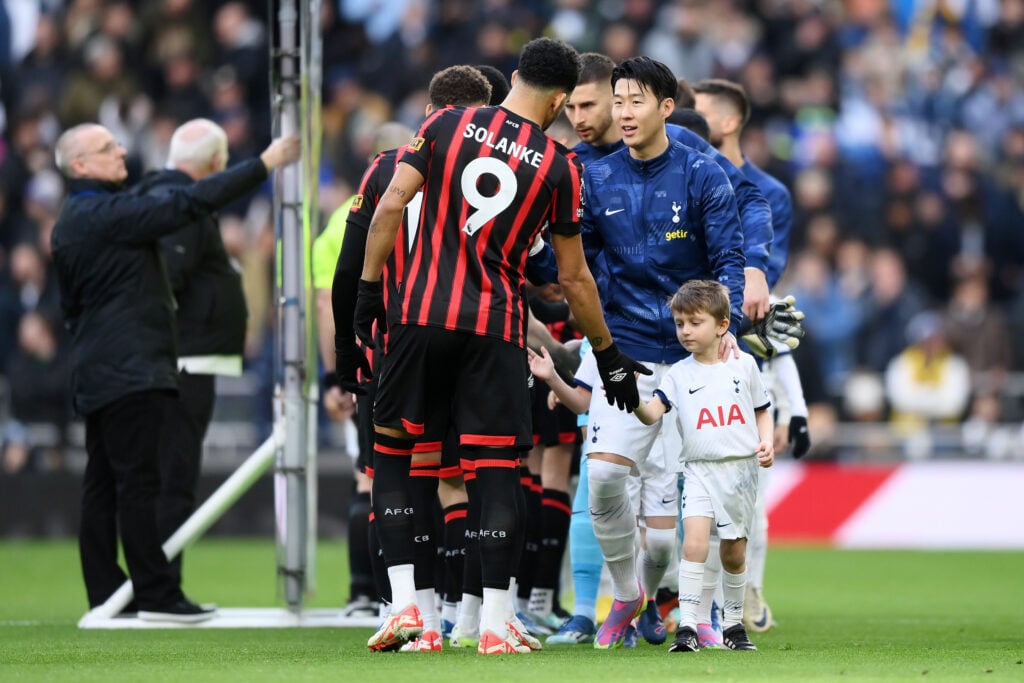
679 206
491 180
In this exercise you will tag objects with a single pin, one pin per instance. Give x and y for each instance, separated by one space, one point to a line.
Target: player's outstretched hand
799 436
618 372
541 365
349 361
369 309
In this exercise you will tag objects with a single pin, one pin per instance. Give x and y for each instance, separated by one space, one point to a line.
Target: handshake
777 331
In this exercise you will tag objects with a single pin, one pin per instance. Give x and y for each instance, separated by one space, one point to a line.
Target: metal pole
290 470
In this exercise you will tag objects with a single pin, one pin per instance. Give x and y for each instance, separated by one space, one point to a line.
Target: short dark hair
499 84
731 92
459 85
691 119
685 99
701 296
595 68
549 64
651 74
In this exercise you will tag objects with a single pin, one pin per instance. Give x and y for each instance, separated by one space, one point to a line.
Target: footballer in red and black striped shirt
494 180
491 180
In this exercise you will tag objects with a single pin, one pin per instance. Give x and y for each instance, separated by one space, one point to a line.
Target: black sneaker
735 638
686 641
183 611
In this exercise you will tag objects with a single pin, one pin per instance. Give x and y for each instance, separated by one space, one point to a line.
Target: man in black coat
119 311
211 318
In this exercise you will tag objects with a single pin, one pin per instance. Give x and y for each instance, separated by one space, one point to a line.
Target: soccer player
725 106
456 85
721 410
364 583
657 214
491 181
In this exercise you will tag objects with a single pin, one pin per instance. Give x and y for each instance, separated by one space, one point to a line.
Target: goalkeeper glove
780 329
369 309
618 372
799 436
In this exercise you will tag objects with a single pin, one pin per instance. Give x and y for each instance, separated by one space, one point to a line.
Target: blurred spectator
103 81
833 317
40 399
889 302
978 332
927 383
30 286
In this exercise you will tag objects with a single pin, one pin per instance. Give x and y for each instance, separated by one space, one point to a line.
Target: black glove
349 359
369 308
782 325
799 436
618 372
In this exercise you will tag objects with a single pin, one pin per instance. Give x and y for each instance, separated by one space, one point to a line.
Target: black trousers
181 453
119 492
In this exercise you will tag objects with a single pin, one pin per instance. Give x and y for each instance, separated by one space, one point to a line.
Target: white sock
757 540
655 558
614 524
468 619
513 598
494 615
403 587
734 587
712 582
691 575
428 609
449 611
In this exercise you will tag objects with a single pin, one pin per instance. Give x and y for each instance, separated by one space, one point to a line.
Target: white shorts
655 493
725 491
615 431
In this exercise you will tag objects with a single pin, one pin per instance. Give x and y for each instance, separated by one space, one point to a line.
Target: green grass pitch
843 615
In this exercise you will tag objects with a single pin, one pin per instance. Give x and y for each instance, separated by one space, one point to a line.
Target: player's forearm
581 293
573 398
381 238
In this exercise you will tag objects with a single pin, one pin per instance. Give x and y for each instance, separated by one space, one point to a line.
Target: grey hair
69 148
196 142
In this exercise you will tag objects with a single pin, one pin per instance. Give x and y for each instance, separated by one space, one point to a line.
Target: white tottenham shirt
713 406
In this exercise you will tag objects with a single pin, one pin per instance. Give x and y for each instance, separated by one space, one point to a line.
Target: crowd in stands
897 124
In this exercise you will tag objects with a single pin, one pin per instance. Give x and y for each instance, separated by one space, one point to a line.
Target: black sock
392 501
380 567
497 480
359 566
454 550
471 581
531 489
556 513
423 492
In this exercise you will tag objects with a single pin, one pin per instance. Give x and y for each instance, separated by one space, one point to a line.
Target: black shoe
183 611
735 638
686 641
129 612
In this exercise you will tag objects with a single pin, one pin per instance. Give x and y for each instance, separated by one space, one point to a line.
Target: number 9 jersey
493 181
